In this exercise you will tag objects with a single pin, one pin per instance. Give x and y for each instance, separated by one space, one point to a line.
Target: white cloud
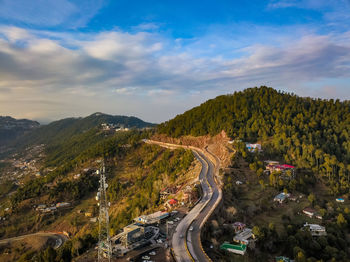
126 90
113 45
144 75
15 33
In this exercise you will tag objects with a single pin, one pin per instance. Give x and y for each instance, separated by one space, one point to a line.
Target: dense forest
310 133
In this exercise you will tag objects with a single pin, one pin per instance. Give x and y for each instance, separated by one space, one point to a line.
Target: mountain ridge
11 128
65 129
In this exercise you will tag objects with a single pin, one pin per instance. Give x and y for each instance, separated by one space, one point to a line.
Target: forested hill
61 130
309 132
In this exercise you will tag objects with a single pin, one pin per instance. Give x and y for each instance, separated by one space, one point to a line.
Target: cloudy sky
155 59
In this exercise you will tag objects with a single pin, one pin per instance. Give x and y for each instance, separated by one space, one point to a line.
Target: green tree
341 221
311 198
262 184
257 232
300 257
49 255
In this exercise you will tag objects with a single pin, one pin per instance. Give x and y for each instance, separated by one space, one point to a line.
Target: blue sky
156 59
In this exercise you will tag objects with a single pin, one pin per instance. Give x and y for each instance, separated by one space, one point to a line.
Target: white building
253 147
315 229
244 236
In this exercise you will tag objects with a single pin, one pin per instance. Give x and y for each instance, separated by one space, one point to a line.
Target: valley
240 178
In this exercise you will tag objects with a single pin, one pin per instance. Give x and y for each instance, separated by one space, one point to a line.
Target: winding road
59 238
187 243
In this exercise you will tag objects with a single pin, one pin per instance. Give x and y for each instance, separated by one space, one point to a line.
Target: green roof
240 247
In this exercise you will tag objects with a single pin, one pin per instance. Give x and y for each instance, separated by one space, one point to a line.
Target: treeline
310 133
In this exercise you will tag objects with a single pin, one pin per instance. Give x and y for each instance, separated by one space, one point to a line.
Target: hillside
60 130
310 133
132 166
11 128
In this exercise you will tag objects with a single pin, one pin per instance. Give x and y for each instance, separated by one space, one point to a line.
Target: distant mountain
64 129
11 128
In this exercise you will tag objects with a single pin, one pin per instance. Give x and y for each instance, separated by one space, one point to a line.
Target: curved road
59 238
187 244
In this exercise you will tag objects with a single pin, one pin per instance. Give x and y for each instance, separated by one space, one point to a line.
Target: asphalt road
211 197
187 244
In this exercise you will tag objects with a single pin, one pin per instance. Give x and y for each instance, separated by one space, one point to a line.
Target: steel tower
104 240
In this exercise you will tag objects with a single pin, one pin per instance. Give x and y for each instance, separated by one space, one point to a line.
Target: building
171 203
315 229
281 198
292 197
310 212
133 236
237 249
340 200
244 236
281 168
238 226
283 259
62 204
40 207
253 147
49 209
234 141
152 218
134 233
273 167
271 162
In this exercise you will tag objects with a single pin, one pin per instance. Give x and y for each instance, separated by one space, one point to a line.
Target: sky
156 59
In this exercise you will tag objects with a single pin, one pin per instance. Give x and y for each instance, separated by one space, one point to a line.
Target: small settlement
244 236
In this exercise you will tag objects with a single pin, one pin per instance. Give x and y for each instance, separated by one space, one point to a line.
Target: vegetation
72 153
279 228
310 133
59 131
156 168
136 173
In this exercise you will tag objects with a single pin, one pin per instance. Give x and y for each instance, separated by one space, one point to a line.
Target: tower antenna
104 240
